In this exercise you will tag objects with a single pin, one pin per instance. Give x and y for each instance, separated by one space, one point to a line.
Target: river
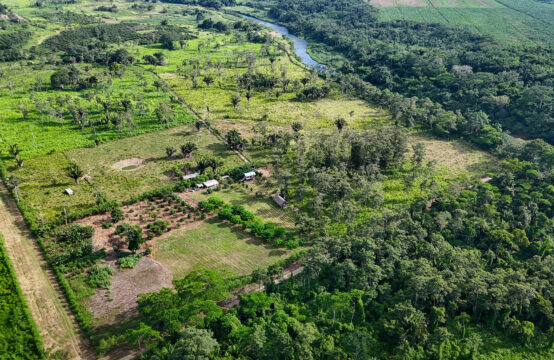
300 45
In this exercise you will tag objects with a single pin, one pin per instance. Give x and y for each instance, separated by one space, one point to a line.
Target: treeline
453 67
215 4
19 337
89 43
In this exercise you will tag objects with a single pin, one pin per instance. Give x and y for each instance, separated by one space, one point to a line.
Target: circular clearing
128 164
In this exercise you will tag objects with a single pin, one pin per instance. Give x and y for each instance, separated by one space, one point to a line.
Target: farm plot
214 245
506 20
116 170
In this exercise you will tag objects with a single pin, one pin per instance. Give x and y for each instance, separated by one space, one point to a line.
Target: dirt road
51 313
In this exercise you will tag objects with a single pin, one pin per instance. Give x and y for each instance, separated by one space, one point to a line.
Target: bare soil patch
127 164
169 75
147 276
109 20
274 34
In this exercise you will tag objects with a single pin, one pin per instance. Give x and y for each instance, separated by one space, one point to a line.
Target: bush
128 260
117 215
99 276
157 228
75 233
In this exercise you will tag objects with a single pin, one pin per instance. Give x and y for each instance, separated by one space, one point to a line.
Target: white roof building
68 191
211 184
190 176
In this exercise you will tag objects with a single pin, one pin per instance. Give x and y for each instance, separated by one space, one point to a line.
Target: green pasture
212 244
41 134
44 178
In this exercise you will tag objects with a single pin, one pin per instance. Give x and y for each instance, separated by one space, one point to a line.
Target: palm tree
198 124
170 151
14 151
235 99
75 172
214 164
188 148
340 123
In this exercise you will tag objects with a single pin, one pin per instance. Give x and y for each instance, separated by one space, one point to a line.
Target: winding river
300 45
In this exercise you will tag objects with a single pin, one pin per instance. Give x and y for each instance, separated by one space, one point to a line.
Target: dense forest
453 67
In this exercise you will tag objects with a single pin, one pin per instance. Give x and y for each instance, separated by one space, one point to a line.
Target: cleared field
214 245
147 166
505 20
260 206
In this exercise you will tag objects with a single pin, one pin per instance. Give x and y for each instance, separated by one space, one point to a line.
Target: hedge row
19 336
238 215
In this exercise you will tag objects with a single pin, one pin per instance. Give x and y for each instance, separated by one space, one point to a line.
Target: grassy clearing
260 205
214 245
44 178
454 157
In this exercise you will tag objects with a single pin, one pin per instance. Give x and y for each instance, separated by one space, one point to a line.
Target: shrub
117 215
99 276
157 227
128 260
75 233
107 225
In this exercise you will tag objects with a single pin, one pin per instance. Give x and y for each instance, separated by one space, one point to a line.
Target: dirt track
51 313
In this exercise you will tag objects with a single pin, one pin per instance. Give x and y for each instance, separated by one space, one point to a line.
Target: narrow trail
50 311
198 117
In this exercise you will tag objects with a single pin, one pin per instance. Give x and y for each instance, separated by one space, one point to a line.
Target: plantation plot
214 245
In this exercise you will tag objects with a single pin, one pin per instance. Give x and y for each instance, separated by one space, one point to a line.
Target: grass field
44 178
214 245
39 134
505 20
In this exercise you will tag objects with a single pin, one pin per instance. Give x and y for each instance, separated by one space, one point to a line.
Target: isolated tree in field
198 124
164 113
170 151
340 123
75 172
296 126
235 100
235 140
14 151
24 108
106 104
248 96
14 183
305 81
132 235
208 79
188 148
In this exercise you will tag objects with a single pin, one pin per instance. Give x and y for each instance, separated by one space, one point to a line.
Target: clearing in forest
213 244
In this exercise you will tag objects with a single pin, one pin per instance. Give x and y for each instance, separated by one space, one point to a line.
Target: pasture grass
212 244
44 178
40 134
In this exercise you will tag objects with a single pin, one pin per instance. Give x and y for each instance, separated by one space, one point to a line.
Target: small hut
282 203
210 184
68 191
249 176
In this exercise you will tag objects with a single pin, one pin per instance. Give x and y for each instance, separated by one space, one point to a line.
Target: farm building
282 203
251 175
190 176
210 184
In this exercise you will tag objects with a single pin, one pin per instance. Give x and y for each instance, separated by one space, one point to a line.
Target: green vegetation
214 245
526 21
419 244
18 334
